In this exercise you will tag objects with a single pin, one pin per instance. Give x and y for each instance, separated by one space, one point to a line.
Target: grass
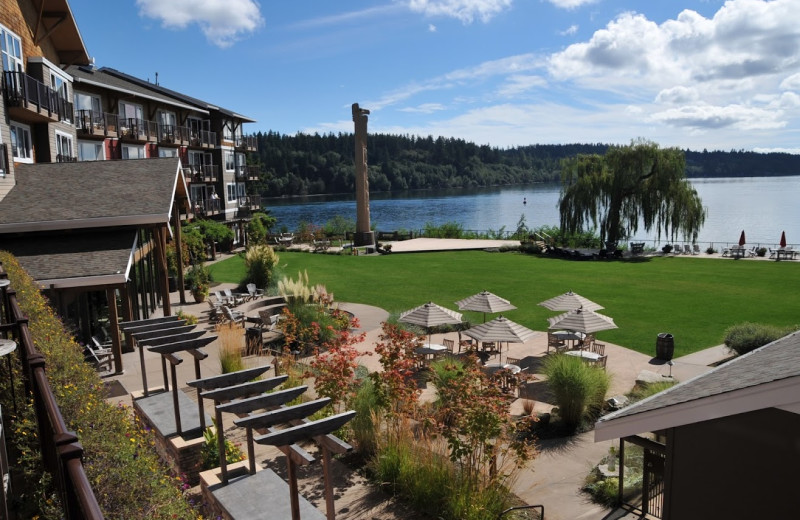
694 299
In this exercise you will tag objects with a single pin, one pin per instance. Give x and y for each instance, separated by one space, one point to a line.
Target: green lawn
694 299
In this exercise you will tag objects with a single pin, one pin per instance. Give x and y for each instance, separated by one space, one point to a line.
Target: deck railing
23 91
62 453
96 123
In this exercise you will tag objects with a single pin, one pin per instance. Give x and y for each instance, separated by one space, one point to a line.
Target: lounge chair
753 251
687 249
696 249
234 299
450 345
254 292
222 300
233 316
100 358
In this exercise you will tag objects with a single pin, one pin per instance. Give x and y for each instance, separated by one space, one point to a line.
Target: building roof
75 259
69 196
768 377
177 95
103 79
58 24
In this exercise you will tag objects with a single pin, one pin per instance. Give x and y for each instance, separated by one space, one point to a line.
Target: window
11 49
64 147
87 102
229 165
167 152
240 188
130 151
231 192
227 132
21 142
199 158
241 161
91 151
130 111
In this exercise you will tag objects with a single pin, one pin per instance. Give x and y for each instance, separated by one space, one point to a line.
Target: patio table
584 354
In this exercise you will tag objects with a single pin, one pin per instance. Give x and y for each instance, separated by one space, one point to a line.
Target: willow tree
628 186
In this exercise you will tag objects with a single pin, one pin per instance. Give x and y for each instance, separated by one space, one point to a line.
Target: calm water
763 207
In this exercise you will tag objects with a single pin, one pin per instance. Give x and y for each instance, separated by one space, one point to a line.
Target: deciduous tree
629 185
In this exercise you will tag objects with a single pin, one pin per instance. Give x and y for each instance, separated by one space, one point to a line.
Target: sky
696 74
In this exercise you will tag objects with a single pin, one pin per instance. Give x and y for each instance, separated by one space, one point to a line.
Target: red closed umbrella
783 238
742 241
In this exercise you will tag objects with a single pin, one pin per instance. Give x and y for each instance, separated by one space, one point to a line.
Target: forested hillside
304 164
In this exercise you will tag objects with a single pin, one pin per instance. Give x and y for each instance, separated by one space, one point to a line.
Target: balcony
202 139
206 207
181 135
66 158
140 130
201 172
166 134
30 100
248 172
247 143
96 124
252 202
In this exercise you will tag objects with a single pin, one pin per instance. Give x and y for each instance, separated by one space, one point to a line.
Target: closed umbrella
501 329
783 239
582 320
742 241
570 301
485 302
430 315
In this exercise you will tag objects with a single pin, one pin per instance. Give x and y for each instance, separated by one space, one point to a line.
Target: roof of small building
76 258
63 196
730 388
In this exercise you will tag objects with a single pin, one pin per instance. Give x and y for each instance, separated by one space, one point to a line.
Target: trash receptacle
665 346
254 343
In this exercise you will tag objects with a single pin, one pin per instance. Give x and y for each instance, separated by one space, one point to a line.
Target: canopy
570 301
501 329
742 240
783 238
485 302
582 320
430 315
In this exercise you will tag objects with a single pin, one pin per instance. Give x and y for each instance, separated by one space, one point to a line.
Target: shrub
578 387
199 278
761 251
230 349
744 337
365 403
191 319
210 451
667 249
260 261
711 251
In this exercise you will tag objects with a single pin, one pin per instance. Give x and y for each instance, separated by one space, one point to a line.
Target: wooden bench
637 248
321 245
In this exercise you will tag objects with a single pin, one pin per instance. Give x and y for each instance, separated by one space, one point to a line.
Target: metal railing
201 172
97 123
66 158
62 453
206 206
203 138
247 172
248 142
138 129
23 91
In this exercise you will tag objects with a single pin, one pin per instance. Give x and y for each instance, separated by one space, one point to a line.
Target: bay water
761 206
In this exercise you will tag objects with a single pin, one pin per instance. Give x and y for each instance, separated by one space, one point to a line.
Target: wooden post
294 494
223 459
330 508
113 318
179 253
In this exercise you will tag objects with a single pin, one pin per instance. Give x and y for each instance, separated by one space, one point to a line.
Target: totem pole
364 236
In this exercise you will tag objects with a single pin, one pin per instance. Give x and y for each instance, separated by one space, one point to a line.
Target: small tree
260 261
577 387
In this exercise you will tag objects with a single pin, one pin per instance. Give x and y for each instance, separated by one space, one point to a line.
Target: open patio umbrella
582 320
430 315
501 329
485 302
783 239
742 240
570 301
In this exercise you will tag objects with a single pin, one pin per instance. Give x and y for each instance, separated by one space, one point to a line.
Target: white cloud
464 10
795 151
425 108
518 84
569 31
223 22
791 83
708 117
677 95
431 28
571 4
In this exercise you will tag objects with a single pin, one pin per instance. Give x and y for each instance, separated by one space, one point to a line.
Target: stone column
364 236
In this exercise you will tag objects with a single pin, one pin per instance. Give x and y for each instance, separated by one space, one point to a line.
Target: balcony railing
202 138
181 135
247 172
23 91
101 124
204 207
138 129
247 142
201 172
250 201
166 134
66 158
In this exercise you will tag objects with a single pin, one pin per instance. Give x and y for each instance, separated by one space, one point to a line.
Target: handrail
515 508
62 453
22 89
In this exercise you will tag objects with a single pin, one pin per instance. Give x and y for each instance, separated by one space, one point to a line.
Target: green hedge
744 337
128 478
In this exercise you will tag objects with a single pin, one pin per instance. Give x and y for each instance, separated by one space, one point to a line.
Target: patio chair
254 292
97 344
696 249
753 251
220 299
514 361
601 362
450 345
214 312
586 342
233 316
726 251
599 348
233 299
554 342
100 358
687 249
488 346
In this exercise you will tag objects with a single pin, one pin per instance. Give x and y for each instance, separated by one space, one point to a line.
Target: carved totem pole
364 236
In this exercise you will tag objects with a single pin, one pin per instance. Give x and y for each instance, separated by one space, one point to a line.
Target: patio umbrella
570 301
485 302
582 320
430 315
783 239
742 241
501 329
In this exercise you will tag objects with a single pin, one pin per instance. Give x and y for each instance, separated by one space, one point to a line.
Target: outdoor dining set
783 252
571 333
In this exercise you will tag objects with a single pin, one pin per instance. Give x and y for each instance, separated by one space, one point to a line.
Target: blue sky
690 73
